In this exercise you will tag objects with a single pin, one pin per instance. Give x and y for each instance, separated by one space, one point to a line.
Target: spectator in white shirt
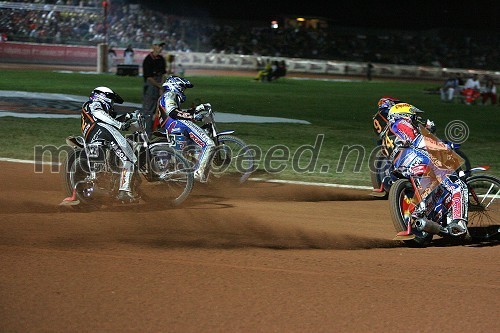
473 83
471 90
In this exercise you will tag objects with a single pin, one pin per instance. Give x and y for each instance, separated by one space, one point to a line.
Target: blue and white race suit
177 122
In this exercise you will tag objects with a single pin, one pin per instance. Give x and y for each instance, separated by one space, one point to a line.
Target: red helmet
385 104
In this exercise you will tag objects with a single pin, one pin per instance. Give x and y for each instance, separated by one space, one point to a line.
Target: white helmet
106 96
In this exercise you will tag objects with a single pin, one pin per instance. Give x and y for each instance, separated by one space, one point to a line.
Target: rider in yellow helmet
413 158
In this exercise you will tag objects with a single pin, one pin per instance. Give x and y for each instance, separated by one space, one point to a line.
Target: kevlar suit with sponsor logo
100 124
179 122
415 154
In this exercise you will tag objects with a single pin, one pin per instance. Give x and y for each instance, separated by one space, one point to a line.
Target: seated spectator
472 89
282 68
273 72
264 73
449 89
278 69
489 92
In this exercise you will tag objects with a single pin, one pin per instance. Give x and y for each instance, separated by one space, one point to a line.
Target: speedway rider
100 123
413 155
179 122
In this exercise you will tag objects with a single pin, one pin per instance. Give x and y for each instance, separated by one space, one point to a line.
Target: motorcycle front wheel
173 172
234 158
401 201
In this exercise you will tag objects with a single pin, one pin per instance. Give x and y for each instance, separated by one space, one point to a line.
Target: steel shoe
457 227
126 197
200 176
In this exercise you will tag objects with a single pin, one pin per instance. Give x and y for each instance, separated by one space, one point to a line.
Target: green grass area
340 112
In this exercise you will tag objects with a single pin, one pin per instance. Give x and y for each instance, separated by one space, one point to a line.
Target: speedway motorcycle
232 157
420 206
91 171
381 158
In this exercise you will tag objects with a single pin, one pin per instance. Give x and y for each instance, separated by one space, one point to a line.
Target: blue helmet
177 85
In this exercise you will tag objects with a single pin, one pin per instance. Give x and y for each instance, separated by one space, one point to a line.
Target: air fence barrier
72 55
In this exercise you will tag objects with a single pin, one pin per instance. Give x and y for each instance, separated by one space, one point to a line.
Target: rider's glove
203 107
126 125
403 143
199 114
430 126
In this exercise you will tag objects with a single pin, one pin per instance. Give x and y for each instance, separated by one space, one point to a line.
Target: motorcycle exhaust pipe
429 226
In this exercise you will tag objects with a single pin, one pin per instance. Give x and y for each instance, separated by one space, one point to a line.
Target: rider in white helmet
177 121
100 123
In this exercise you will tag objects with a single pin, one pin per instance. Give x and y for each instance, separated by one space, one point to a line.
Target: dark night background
480 14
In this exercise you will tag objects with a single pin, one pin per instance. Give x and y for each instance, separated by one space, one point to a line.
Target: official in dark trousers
154 68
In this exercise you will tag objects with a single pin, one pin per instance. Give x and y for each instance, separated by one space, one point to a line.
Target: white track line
356 187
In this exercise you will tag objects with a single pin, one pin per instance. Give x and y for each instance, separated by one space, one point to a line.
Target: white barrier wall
87 56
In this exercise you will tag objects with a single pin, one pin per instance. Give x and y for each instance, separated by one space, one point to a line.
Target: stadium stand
81 23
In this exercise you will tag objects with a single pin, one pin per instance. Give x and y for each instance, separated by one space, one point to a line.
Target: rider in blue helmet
180 122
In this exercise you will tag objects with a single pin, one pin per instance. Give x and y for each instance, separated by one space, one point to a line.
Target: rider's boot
457 227
202 172
125 193
200 176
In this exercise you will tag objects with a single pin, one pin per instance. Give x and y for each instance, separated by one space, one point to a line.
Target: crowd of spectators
137 25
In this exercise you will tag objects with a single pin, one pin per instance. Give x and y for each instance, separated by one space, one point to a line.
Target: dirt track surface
261 257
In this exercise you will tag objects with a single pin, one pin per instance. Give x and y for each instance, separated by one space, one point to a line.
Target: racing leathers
178 122
412 158
101 126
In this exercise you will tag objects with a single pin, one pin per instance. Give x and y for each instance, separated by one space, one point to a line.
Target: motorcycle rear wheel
75 169
484 206
174 172
401 198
